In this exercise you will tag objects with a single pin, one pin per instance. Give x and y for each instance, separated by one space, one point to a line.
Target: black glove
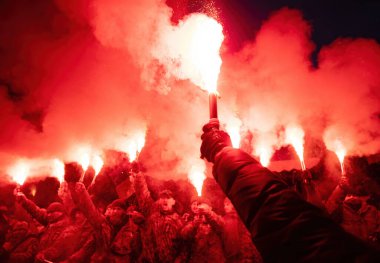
213 140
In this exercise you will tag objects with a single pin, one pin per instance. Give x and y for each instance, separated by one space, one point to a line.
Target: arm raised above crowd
284 227
144 198
83 201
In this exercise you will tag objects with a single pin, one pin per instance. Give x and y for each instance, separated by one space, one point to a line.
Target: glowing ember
340 151
33 190
58 170
234 132
97 163
19 172
295 137
197 177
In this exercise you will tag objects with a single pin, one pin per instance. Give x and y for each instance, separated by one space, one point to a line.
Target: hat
118 203
55 207
165 193
200 200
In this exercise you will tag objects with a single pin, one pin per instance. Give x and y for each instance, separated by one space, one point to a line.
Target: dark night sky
329 19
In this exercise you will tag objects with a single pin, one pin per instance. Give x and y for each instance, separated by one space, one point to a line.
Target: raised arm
143 196
84 203
284 227
37 213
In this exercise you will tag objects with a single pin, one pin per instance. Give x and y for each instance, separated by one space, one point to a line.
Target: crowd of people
77 227
263 217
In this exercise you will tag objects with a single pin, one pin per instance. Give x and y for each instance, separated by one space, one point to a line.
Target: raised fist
213 140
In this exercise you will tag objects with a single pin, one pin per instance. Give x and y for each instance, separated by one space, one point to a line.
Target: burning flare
295 137
205 43
191 50
197 177
19 172
132 145
263 147
82 155
264 154
340 151
97 163
58 170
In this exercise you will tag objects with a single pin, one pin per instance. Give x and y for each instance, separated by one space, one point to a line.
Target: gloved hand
213 140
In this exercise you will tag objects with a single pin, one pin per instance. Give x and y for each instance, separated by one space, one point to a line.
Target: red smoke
274 83
84 72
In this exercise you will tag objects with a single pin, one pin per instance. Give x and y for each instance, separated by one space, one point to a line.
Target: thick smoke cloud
85 73
274 84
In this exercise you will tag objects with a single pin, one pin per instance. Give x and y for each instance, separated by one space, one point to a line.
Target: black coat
284 227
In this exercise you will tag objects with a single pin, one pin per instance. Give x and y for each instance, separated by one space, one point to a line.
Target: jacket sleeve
278 218
37 213
83 201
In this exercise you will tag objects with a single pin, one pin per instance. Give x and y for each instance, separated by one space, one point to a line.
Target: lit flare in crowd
197 176
340 152
84 160
263 147
201 38
140 142
264 155
97 163
82 155
295 137
58 170
19 172
134 145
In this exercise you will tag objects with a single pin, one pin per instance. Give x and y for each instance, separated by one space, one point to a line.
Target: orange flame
295 137
19 172
340 151
197 176
82 155
334 144
97 163
58 170
199 40
264 154
133 146
207 40
263 146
